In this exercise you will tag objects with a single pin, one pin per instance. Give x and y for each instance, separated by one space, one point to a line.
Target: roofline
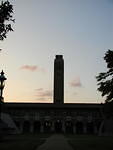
52 105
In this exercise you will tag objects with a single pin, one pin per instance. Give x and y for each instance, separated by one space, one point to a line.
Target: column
52 127
95 129
42 128
74 129
84 128
21 127
63 127
31 127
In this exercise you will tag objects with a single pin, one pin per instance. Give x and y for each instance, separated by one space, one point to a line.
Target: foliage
6 11
105 79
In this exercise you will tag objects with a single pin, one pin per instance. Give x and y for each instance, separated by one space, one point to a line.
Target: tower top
59 56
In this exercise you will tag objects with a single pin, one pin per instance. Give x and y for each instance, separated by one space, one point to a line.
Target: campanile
59 79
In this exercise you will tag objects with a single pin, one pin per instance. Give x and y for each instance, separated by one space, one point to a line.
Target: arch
26 127
58 126
79 127
17 123
47 126
98 124
69 127
90 128
36 127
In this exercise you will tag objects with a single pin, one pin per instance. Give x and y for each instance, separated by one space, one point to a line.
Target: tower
59 79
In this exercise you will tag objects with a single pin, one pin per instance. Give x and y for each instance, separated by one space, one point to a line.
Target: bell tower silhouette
59 79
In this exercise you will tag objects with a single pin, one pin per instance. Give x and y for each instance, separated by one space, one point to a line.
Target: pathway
55 142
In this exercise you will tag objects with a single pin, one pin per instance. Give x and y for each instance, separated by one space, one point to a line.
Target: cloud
29 67
75 82
75 93
40 89
32 68
42 93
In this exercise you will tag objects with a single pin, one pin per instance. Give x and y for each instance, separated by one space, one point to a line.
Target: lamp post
2 84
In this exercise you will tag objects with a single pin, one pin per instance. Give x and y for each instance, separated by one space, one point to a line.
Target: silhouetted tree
6 11
105 82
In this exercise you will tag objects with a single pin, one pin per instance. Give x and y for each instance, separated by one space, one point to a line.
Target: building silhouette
59 79
60 117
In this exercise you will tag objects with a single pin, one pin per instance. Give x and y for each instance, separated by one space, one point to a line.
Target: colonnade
57 126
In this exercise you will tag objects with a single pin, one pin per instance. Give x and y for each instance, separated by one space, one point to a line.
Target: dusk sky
80 30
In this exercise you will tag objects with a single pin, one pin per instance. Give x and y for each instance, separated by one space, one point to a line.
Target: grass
88 142
22 142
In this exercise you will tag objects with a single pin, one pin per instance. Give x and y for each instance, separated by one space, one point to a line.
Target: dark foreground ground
89 142
22 142
77 142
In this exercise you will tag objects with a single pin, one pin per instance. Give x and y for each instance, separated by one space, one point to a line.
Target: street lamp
2 84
